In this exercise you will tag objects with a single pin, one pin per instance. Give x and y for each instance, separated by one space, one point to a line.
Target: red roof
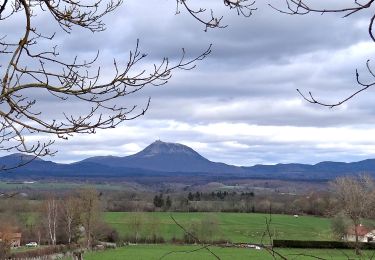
13 235
361 230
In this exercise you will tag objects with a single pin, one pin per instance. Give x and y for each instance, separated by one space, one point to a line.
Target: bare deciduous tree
355 198
136 221
209 228
90 212
70 215
51 212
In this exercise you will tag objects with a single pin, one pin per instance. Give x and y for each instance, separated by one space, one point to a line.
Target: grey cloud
250 77
251 149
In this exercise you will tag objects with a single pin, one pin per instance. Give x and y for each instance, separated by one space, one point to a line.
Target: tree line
72 219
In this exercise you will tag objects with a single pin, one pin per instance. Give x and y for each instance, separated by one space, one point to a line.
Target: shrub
44 251
319 244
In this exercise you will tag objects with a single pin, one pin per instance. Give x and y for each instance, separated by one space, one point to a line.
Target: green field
236 227
150 252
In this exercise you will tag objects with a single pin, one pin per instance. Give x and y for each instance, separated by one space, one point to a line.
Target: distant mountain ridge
170 160
166 157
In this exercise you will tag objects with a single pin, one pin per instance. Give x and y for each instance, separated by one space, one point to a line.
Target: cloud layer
239 105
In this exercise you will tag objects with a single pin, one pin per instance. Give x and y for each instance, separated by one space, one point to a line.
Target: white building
364 234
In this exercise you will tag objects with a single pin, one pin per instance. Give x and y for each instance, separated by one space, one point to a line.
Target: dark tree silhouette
159 201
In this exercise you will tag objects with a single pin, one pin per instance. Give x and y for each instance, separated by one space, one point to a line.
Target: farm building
13 237
365 234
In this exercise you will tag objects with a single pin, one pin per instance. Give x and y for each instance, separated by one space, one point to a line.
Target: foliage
190 196
159 201
340 225
168 203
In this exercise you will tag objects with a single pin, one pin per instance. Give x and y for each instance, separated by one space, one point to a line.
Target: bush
144 240
320 244
44 251
339 225
4 249
105 232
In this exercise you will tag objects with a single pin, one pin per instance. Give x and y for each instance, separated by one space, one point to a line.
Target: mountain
161 161
16 159
166 157
320 171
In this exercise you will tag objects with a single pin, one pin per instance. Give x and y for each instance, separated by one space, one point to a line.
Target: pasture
235 227
170 252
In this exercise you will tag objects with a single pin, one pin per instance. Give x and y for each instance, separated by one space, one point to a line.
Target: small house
365 234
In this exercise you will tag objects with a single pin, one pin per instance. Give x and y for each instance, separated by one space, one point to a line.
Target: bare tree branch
195 238
242 7
302 7
364 86
69 81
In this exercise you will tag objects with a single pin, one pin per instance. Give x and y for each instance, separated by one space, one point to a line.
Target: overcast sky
240 105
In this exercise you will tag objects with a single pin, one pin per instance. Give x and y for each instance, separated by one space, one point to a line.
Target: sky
239 105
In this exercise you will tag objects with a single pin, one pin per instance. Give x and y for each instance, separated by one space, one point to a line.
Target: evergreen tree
159 201
190 196
197 196
156 200
168 202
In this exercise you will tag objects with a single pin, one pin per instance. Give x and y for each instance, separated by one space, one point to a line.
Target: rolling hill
163 161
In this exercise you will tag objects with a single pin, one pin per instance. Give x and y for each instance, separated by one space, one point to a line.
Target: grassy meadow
169 252
236 227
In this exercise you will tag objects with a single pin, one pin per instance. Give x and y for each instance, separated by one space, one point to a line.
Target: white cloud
233 143
239 105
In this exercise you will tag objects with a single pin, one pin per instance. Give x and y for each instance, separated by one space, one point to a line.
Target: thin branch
242 7
364 86
195 238
69 81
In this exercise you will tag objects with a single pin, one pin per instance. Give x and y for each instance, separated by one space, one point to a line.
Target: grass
150 252
237 227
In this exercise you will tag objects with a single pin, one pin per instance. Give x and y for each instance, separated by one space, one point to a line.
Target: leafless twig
302 7
195 238
22 84
242 7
